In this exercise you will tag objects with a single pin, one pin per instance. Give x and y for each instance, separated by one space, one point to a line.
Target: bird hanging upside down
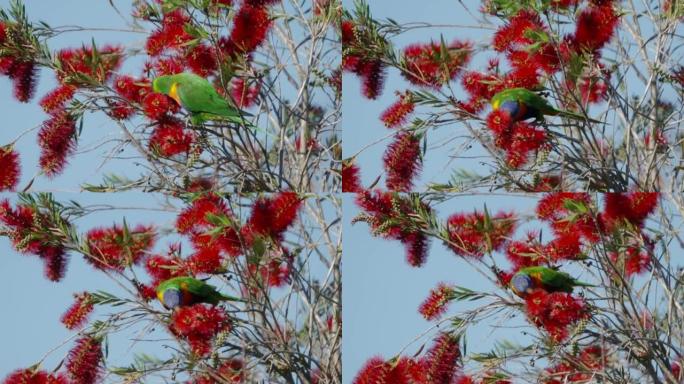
522 104
548 279
185 291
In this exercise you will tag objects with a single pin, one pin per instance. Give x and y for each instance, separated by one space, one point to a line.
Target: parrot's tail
578 283
223 297
576 116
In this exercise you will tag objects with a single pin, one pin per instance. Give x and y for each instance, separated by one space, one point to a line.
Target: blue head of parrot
172 298
521 283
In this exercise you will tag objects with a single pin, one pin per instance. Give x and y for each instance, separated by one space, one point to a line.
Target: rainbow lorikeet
548 279
522 104
199 97
185 290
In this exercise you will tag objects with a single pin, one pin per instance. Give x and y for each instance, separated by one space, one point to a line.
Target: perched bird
548 279
522 104
185 290
198 96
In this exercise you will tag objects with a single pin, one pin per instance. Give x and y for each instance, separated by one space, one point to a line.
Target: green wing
207 292
199 97
554 280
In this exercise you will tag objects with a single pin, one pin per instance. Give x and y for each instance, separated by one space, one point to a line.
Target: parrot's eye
521 283
172 298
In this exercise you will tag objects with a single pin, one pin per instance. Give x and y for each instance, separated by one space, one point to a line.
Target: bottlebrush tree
588 283
277 256
275 62
612 67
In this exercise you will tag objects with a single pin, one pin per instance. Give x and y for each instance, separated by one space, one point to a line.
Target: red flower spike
430 65
499 122
206 260
569 212
244 94
77 314
157 105
564 247
526 253
9 169
57 98
198 324
163 268
375 371
84 62
416 246
397 114
372 75
169 65
402 161
132 89
250 27
516 34
30 376
195 221
473 235
201 59
351 179
25 77
170 138
55 262
437 302
121 110
595 27
632 208
84 362
114 248
272 216
441 360
57 142
555 312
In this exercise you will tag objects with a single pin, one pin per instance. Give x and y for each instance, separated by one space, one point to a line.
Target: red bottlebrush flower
595 27
555 312
475 234
416 245
77 315
402 161
579 370
372 75
206 260
243 94
430 65
397 114
132 89
272 216
632 208
163 268
170 65
58 98
632 261
523 140
569 212
441 361
276 270
500 122
437 302
198 222
231 371
198 324
525 253
57 142
373 372
97 63
250 27
389 215
156 43
519 31
9 168
526 76
169 138
157 106
3 32
120 110
351 180
24 75
201 59
564 247
84 362
117 247
31 376
31 232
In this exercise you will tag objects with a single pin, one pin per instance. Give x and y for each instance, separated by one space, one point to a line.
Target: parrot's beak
173 93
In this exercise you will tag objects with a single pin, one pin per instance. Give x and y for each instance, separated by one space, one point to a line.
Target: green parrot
198 96
548 279
522 104
185 290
